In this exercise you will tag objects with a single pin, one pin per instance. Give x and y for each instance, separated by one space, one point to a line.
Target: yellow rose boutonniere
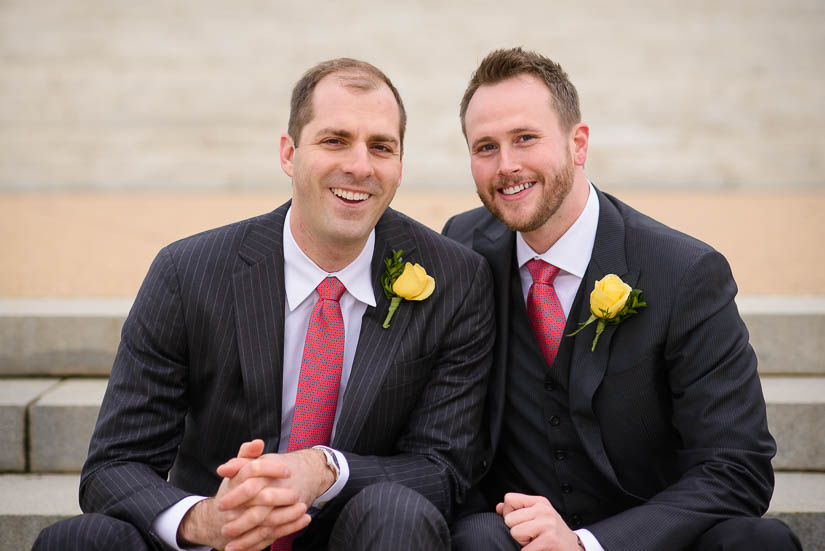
611 301
404 281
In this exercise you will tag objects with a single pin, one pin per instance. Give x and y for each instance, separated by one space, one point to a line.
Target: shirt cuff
589 540
343 476
166 524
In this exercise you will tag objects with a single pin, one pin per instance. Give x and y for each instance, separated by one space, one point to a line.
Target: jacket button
566 488
555 421
549 385
560 455
483 463
576 520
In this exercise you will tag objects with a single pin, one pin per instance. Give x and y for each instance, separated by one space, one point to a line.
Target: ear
579 138
287 153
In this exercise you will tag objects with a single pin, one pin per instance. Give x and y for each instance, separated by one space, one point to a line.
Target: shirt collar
302 275
572 252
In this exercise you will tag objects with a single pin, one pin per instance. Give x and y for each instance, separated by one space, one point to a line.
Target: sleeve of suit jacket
142 415
718 413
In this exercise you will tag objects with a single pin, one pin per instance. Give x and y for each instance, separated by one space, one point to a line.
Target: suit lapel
376 346
258 285
588 368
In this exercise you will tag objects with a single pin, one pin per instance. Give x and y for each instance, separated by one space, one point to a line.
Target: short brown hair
502 64
354 74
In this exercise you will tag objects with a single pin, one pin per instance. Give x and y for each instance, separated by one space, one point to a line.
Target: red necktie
320 377
544 309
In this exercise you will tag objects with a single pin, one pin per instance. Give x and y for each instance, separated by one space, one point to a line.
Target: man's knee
390 516
482 531
90 532
747 533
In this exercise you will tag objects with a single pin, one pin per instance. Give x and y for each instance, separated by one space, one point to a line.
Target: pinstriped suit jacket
669 407
198 372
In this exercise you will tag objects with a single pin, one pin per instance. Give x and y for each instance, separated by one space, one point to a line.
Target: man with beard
270 339
645 430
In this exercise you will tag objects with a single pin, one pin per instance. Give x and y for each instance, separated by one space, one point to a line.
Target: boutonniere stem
404 280
611 302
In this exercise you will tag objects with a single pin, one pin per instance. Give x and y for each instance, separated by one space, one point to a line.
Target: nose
508 162
358 162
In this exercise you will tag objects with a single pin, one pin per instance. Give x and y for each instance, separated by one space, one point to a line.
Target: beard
555 189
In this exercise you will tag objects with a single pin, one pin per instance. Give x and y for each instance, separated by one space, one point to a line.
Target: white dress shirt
301 277
571 255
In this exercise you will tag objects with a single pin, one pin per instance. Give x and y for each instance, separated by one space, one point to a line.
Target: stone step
61 424
40 500
16 395
61 416
799 500
64 337
59 337
796 417
788 333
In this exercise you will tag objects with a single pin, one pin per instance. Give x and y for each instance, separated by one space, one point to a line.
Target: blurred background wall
193 95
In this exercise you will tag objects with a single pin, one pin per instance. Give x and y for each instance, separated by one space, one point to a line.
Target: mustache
515 179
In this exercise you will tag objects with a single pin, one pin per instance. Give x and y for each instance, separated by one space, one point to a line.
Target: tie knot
331 289
541 271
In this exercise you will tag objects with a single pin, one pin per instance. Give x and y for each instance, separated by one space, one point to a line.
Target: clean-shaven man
267 341
646 434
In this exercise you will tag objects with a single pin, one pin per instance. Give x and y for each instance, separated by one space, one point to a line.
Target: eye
524 138
334 142
485 148
383 149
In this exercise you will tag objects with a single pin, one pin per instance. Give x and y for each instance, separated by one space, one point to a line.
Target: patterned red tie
320 378
544 309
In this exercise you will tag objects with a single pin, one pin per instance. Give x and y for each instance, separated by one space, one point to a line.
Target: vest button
566 488
560 455
549 386
555 421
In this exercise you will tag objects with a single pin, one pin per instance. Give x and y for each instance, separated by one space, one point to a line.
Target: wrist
189 531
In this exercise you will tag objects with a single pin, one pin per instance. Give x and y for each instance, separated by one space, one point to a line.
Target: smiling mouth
351 196
516 188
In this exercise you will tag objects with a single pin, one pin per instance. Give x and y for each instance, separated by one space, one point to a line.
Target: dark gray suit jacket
199 371
669 407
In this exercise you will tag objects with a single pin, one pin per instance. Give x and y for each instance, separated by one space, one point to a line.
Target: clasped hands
536 525
261 498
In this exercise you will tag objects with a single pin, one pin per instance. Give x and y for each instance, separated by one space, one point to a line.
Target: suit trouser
381 516
487 531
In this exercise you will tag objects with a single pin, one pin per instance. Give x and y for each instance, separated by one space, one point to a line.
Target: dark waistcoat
540 452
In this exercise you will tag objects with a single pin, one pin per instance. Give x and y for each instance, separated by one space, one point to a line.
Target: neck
541 239
329 256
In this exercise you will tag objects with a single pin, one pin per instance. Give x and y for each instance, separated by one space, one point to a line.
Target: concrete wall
116 94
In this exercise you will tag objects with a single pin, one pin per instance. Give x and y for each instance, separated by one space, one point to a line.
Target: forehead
510 103
336 103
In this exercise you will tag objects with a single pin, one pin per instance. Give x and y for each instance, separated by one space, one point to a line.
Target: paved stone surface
799 500
101 245
15 396
788 333
59 337
796 418
61 425
32 502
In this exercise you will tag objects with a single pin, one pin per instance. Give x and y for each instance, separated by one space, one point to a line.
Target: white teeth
351 195
515 189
